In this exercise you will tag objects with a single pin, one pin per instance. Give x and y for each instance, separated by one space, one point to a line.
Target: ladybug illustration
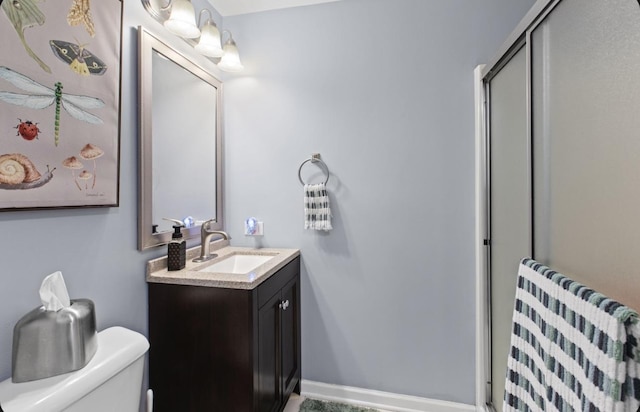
28 130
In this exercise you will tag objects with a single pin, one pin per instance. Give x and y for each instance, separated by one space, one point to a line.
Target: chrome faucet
205 239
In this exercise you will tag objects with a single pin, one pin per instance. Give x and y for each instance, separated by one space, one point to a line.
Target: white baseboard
379 400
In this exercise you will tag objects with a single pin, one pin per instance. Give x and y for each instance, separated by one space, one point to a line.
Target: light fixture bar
160 15
178 17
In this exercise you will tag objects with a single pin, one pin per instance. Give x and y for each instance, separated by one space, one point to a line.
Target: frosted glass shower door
586 144
510 205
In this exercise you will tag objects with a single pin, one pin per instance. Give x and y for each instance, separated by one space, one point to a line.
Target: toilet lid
117 348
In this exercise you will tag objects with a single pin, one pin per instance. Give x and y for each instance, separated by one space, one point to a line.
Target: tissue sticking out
55 338
53 293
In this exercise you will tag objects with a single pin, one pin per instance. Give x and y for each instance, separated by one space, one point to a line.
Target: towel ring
315 158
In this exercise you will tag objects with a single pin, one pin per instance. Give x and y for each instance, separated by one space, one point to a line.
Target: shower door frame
518 39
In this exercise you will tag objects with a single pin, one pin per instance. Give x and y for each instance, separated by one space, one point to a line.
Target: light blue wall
383 89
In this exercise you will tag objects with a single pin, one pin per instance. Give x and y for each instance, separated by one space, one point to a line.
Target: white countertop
157 269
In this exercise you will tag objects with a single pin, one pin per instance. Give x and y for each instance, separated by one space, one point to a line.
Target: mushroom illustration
73 164
85 176
91 152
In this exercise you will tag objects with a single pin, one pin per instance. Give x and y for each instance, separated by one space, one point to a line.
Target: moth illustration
80 60
43 97
80 12
24 14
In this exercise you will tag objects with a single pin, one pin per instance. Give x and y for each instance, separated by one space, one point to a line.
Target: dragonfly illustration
44 97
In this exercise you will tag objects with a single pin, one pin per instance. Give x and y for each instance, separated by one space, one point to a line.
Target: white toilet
110 382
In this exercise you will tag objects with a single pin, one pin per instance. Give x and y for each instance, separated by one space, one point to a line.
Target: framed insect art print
59 103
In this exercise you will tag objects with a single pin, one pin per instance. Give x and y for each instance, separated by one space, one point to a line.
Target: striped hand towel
317 213
572 349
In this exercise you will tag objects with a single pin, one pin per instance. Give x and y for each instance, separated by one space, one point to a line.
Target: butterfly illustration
44 97
24 14
80 60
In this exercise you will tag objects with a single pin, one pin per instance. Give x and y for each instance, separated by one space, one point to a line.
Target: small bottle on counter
177 250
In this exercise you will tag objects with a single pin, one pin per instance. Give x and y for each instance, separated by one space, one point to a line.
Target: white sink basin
238 264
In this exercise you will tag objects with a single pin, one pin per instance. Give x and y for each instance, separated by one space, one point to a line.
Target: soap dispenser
177 248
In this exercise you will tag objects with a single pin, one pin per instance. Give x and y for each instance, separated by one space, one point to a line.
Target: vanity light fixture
230 61
178 16
209 43
182 20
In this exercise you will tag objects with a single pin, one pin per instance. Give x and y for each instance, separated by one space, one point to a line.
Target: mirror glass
180 143
182 135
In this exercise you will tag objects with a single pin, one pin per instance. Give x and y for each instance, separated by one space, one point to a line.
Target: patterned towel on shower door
572 349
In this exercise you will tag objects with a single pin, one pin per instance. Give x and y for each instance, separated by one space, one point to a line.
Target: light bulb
209 43
182 21
230 61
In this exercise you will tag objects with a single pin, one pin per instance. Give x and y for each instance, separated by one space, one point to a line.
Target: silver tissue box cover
47 343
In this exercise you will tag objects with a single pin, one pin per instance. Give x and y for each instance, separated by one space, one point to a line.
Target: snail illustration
18 172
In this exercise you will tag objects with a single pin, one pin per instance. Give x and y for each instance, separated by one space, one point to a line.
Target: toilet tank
111 381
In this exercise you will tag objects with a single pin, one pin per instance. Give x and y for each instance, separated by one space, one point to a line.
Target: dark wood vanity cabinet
228 350
278 343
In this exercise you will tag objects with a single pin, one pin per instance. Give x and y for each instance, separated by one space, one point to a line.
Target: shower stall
558 163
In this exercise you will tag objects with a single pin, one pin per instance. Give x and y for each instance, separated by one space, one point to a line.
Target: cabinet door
290 332
269 384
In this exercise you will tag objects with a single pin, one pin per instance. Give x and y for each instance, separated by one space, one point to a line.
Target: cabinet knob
284 304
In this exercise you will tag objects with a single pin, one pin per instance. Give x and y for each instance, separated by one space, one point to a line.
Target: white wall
383 89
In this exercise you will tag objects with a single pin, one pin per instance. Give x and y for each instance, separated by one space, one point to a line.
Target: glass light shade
182 21
209 43
230 61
